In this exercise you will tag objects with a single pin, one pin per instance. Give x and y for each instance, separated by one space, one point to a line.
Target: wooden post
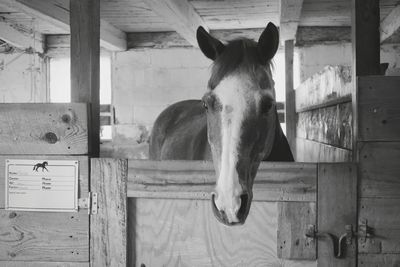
290 107
365 35
108 228
85 66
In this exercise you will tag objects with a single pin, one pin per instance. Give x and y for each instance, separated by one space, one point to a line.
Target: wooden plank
43 264
330 125
383 216
180 16
290 107
58 14
156 40
311 151
378 108
365 22
165 235
290 11
43 236
307 36
390 24
85 63
23 40
378 260
83 172
337 207
108 228
379 169
196 180
324 88
43 129
293 221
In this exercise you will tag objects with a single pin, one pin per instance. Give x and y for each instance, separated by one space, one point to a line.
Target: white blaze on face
235 95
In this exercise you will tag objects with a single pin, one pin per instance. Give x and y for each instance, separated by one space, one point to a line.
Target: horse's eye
266 106
204 105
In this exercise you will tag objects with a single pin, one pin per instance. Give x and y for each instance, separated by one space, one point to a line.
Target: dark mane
241 53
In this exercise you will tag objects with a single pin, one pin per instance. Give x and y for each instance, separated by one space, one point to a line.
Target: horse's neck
281 149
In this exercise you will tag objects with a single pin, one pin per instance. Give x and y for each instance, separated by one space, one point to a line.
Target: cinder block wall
313 58
22 78
145 82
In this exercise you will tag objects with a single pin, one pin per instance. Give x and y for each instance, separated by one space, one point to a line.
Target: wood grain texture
378 260
108 228
329 125
307 36
185 233
43 129
85 63
337 207
290 107
275 181
378 108
293 221
290 11
43 264
83 172
332 85
379 169
384 217
42 236
311 151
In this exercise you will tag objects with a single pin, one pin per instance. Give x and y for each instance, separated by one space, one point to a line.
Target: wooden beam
47 11
85 63
290 11
366 37
290 96
322 35
180 16
390 24
23 40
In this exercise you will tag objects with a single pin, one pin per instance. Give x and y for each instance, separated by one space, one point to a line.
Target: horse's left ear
268 42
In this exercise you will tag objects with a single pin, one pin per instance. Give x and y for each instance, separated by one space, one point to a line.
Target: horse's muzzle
241 214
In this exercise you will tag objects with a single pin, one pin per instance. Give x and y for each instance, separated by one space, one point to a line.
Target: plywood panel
275 181
83 172
293 221
384 217
337 207
380 169
378 108
329 125
43 129
43 236
311 151
185 233
108 228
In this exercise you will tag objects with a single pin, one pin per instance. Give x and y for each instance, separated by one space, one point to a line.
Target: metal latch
338 243
89 203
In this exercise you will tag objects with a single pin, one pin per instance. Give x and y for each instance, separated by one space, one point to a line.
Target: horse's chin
242 213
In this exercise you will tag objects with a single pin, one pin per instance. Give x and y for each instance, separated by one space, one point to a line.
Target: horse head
241 117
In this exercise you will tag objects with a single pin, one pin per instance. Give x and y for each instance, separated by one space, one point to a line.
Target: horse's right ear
210 46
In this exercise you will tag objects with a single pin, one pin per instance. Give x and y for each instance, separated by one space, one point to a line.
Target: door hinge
89 203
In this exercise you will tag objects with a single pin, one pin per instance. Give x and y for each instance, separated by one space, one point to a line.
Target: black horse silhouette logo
41 165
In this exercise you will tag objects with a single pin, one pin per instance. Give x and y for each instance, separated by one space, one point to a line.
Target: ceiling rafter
390 24
111 38
180 15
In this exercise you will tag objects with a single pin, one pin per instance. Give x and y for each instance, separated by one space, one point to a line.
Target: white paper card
42 185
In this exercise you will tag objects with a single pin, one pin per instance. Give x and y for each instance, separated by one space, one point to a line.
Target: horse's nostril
242 213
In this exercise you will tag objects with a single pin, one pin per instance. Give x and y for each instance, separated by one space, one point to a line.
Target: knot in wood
66 118
12 215
51 137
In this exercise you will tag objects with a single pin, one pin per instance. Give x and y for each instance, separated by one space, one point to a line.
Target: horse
235 124
41 165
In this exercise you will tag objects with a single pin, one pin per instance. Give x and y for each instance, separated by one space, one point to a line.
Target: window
60 91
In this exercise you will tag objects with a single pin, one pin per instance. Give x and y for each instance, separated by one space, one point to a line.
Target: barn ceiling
127 16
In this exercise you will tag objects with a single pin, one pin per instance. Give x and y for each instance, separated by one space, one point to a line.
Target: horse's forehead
240 92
